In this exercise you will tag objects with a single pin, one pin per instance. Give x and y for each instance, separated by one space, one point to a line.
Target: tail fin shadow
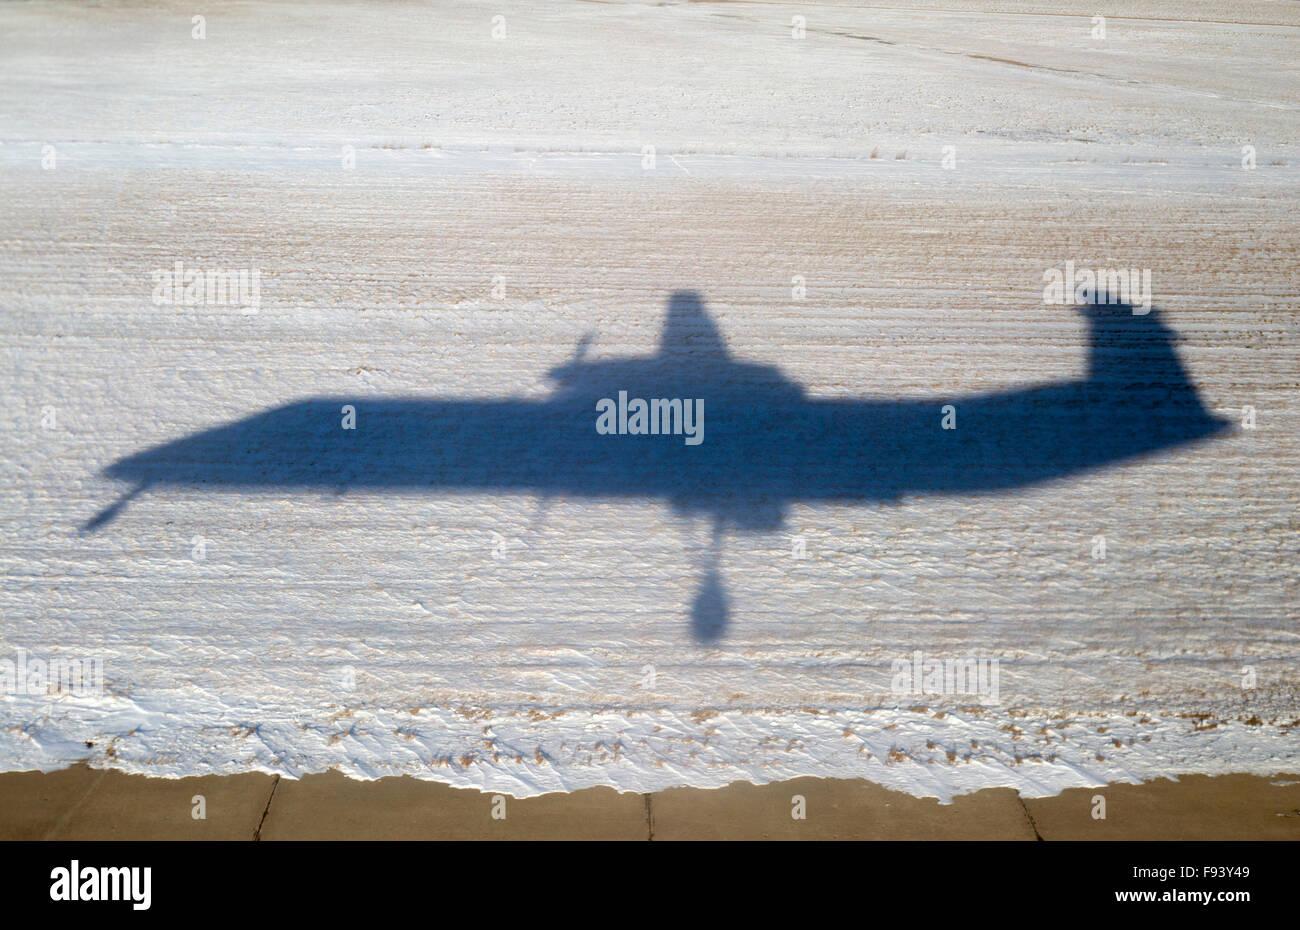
1133 352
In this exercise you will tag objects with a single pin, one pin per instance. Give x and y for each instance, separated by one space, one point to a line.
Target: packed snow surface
442 205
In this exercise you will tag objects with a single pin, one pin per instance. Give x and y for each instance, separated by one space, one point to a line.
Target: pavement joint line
257 834
1030 817
76 807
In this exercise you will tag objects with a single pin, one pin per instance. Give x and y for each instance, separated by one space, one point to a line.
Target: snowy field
866 201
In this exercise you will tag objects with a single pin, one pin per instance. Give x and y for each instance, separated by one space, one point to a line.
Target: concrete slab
85 804
80 803
34 803
1195 807
134 807
835 809
334 807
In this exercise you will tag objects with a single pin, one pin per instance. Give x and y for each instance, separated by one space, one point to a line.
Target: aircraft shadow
764 444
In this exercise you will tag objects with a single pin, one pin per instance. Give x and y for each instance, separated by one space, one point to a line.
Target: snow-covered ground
435 211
